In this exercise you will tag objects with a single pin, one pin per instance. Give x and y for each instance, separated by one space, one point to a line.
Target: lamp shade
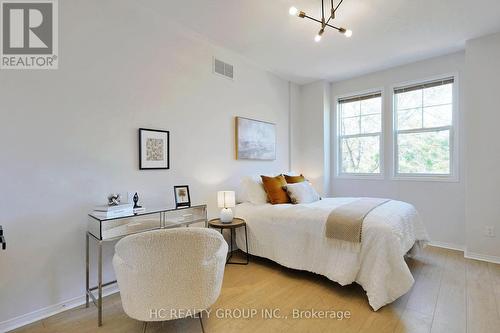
226 199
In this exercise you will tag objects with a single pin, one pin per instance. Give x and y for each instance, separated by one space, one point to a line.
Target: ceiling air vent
224 69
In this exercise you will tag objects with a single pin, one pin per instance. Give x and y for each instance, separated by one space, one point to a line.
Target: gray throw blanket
346 222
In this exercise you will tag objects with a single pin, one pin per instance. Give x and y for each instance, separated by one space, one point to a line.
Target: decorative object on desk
114 199
182 197
136 200
114 211
154 151
137 209
255 139
226 201
2 239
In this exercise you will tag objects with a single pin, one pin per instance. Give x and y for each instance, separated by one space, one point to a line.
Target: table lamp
226 201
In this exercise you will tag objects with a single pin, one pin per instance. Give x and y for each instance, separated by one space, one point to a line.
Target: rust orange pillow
274 189
294 179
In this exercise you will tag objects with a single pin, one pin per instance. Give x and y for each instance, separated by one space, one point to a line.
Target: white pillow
252 190
302 192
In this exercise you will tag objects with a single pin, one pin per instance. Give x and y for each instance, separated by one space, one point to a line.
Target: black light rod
312 18
316 20
338 5
323 10
329 19
334 27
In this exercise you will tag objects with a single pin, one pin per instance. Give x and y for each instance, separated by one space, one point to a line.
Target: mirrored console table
101 229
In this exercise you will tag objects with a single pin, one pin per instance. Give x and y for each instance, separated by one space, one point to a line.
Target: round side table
236 223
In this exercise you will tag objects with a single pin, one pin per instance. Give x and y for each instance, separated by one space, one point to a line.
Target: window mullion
425 130
422 108
359 121
360 135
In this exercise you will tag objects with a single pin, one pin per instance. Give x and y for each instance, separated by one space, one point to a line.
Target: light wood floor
451 294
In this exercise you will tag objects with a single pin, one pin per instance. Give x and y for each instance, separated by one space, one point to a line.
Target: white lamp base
226 215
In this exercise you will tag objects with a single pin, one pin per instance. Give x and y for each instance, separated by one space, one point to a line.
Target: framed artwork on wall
255 139
154 149
182 197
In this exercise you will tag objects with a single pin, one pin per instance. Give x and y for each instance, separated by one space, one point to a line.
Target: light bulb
317 38
293 11
348 33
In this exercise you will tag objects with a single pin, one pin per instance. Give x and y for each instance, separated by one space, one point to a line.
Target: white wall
295 126
69 137
482 59
310 134
441 204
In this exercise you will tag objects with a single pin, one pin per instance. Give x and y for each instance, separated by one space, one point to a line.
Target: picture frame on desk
154 149
182 197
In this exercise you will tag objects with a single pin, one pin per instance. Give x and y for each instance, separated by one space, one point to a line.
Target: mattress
294 236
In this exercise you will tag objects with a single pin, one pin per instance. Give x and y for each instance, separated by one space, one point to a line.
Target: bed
294 236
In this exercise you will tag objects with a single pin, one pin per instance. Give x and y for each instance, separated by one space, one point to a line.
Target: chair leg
201 323
144 327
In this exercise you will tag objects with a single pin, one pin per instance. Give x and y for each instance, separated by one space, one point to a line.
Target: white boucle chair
169 274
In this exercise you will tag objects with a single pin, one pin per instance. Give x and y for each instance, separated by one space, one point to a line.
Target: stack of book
139 210
114 211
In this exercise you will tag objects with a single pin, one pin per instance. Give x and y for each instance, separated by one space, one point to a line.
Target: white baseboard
448 246
467 254
51 310
482 257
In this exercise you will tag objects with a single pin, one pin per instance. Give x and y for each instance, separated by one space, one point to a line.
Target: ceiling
387 33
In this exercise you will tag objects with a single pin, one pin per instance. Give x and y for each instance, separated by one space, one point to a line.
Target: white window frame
337 147
453 176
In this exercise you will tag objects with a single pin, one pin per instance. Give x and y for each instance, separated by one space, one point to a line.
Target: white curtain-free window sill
362 176
426 178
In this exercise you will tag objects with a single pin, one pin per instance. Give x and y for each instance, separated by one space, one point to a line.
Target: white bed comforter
294 236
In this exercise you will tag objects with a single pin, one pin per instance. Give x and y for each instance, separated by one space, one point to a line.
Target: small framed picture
154 149
182 198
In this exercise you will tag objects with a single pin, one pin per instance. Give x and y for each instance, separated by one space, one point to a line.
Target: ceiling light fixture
324 22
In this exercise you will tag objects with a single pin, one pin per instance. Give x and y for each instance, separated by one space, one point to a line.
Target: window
359 135
423 129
